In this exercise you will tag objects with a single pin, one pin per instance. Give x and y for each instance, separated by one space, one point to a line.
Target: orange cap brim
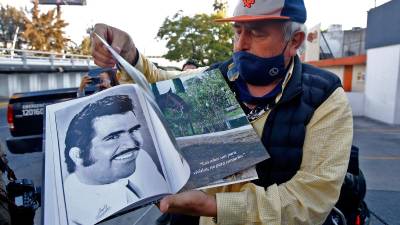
246 18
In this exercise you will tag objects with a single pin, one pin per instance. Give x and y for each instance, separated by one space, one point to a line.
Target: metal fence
14 60
24 70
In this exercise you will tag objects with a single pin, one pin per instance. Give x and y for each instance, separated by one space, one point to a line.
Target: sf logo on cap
248 3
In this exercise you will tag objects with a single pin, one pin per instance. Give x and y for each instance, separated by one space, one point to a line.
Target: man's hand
84 82
194 203
119 40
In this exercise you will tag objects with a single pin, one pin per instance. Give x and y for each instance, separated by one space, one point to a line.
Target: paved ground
380 160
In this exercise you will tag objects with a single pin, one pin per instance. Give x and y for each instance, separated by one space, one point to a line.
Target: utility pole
14 41
58 11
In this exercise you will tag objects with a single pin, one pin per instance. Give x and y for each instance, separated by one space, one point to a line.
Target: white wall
34 84
338 70
382 85
358 80
23 82
356 100
397 99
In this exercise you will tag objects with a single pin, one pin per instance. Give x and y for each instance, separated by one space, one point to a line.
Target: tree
10 19
220 7
201 108
45 31
211 98
197 37
85 46
82 49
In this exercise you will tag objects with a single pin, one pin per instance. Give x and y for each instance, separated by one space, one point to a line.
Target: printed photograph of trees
199 105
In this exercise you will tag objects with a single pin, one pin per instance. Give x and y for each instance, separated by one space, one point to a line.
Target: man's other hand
119 40
194 203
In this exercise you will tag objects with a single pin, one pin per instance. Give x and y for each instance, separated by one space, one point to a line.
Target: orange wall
352 60
347 77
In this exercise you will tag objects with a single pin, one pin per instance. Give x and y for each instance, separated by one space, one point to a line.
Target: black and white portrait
109 160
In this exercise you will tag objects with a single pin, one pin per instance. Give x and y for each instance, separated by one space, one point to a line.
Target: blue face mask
257 70
245 96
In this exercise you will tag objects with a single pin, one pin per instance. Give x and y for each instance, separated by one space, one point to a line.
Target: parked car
25 117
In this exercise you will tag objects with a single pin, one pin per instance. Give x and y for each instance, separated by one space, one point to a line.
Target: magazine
128 146
110 152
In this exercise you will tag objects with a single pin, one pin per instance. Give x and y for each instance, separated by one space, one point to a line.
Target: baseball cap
257 10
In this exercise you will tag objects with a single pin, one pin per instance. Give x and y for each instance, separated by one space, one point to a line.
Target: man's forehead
118 120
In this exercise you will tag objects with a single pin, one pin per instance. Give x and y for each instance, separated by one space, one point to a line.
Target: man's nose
243 41
130 141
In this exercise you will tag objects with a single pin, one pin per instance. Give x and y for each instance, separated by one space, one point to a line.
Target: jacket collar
294 86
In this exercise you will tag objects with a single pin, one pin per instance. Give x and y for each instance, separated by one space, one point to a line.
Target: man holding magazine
300 112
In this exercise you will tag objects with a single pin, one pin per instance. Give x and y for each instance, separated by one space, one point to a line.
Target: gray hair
290 28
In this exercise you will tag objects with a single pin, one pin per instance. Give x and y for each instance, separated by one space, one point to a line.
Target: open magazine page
50 212
176 168
59 200
105 155
212 131
238 177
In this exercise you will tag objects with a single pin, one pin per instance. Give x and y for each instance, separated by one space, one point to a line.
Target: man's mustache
125 151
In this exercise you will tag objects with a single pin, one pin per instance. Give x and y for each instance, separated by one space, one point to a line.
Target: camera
25 199
94 74
95 80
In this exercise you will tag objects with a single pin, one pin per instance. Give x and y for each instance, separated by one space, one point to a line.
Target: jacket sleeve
310 195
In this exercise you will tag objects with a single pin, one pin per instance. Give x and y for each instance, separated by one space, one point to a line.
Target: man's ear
74 154
296 42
